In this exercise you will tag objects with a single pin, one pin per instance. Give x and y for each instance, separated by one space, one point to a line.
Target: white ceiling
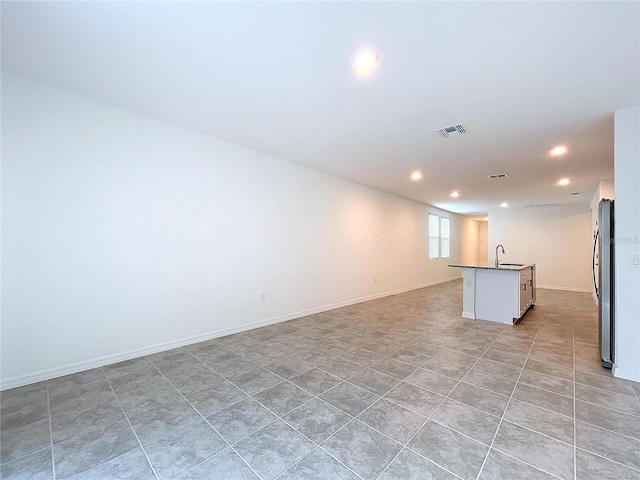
276 77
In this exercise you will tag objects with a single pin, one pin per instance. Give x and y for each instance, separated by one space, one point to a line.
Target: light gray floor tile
173 355
289 367
480 398
256 381
415 398
226 465
445 367
137 365
35 466
543 421
502 467
376 382
543 355
497 355
496 368
452 450
491 382
393 420
23 440
535 449
318 465
135 381
349 398
81 398
234 368
593 467
610 419
184 366
317 420
86 451
411 357
273 449
362 449
283 398
141 401
132 465
240 419
409 465
339 367
23 406
152 425
432 381
625 403
361 356
462 418
197 381
544 399
546 382
214 399
619 448
216 355
315 381
565 373
66 424
183 449
394 368
75 380
607 383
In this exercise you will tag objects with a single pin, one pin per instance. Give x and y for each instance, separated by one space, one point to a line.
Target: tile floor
396 388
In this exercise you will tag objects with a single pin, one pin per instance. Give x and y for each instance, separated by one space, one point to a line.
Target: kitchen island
500 294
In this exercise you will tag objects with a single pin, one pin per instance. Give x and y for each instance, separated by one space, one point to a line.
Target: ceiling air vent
451 131
541 205
498 175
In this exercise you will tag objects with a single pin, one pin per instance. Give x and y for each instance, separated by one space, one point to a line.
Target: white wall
471 240
124 235
556 239
627 242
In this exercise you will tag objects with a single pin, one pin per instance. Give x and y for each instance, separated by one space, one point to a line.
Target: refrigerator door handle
593 262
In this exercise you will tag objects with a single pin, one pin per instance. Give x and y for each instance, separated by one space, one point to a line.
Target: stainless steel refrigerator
605 281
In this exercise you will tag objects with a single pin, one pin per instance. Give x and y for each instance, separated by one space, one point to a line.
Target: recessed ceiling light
365 61
558 151
455 194
563 181
416 175
504 204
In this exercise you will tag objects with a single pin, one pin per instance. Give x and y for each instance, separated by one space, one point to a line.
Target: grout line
495 435
130 425
435 409
633 469
53 460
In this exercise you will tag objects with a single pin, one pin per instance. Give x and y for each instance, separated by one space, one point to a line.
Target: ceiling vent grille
452 131
541 205
498 175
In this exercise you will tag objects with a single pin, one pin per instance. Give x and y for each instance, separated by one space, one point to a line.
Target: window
439 237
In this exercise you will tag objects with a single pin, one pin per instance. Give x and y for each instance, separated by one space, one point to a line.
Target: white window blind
445 237
434 236
439 237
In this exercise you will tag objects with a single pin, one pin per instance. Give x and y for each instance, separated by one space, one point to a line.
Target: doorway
483 245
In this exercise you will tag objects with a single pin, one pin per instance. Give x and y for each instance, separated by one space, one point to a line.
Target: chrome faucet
497 259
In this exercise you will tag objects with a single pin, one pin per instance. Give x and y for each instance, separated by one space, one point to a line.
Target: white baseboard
470 316
564 289
48 374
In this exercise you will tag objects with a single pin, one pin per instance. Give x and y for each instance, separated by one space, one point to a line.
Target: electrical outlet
375 279
263 297
634 261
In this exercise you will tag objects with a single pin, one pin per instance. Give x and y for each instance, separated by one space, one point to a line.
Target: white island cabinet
503 294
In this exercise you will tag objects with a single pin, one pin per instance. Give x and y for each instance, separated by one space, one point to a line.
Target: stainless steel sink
512 264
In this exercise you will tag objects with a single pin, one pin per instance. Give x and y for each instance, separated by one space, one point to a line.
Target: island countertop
503 266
